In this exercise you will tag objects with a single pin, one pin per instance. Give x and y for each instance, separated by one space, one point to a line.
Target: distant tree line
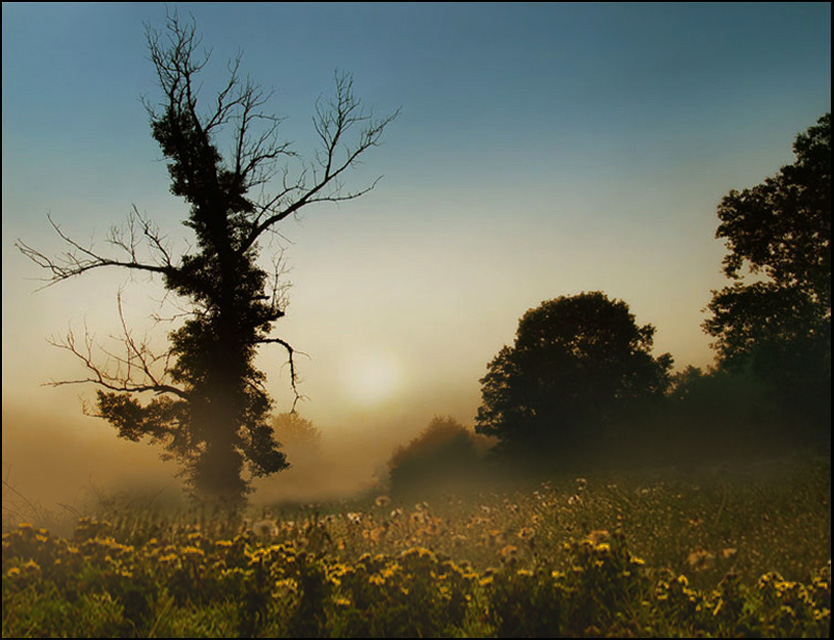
580 384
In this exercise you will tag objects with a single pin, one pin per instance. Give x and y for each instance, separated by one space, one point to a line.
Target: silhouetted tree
211 409
579 363
442 456
779 326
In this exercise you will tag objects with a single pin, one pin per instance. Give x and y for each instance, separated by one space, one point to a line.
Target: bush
445 454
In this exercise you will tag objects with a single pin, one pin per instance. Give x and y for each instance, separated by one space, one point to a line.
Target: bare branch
332 123
134 371
80 259
291 361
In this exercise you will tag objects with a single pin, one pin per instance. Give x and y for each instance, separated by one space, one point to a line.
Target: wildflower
354 518
509 551
729 553
193 552
396 513
382 501
31 567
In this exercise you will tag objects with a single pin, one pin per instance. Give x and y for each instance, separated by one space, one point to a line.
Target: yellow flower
31 567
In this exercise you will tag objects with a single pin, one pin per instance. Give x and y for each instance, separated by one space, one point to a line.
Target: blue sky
542 150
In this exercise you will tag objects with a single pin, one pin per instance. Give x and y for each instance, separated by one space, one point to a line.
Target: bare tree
210 408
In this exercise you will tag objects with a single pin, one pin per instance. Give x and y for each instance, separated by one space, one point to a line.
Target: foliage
444 454
779 326
549 569
579 364
298 436
211 409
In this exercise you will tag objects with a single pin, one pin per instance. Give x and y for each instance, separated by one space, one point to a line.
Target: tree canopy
577 363
779 324
210 407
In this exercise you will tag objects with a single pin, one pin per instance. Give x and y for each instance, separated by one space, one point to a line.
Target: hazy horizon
542 151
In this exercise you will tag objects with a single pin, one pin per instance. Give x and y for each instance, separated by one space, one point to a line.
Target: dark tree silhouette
210 408
578 363
443 455
779 326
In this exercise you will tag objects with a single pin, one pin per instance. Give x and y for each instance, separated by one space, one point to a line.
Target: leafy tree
779 326
579 363
444 453
210 408
299 438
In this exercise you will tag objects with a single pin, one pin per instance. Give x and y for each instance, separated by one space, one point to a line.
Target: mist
63 465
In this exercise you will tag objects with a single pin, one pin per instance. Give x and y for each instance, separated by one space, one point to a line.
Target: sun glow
371 377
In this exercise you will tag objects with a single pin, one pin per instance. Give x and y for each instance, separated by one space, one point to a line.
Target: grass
722 552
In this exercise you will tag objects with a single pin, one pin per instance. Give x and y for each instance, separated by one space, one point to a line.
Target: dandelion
376 579
31 567
193 552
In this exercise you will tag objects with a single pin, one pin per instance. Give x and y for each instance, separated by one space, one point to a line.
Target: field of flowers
725 554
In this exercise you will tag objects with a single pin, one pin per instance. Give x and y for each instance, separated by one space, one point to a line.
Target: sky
542 150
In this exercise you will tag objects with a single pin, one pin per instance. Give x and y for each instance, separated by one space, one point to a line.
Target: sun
371 377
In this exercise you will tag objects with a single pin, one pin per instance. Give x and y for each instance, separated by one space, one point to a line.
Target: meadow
727 551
